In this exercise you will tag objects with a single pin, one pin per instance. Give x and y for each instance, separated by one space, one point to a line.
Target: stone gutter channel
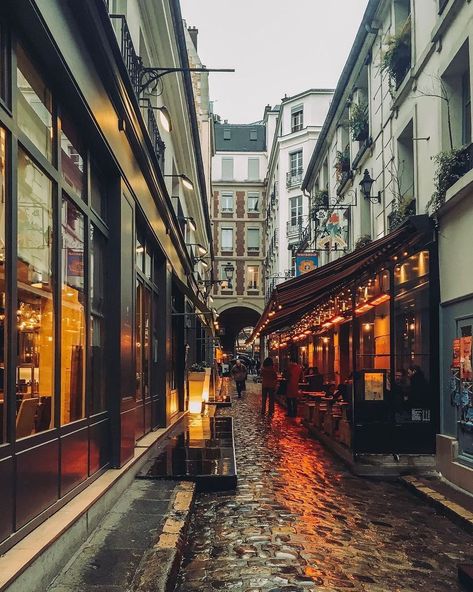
139 545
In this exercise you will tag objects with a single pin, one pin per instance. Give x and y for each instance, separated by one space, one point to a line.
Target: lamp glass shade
202 250
187 183
165 119
205 265
191 223
229 269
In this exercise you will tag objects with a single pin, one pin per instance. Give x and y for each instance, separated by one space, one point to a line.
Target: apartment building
292 127
238 208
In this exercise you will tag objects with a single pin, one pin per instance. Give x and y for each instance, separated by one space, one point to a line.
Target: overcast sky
277 47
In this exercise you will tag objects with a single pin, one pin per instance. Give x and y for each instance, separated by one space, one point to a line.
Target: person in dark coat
239 373
293 373
269 378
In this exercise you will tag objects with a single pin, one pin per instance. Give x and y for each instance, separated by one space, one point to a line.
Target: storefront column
122 333
164 345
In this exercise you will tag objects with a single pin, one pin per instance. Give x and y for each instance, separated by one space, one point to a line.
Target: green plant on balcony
362 241
320 199
396 59
342 164
451 166
358 122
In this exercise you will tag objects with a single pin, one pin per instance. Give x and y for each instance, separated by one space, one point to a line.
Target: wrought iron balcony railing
294 177
132 60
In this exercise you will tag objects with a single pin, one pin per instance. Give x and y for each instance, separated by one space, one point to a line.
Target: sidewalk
448 500
138 546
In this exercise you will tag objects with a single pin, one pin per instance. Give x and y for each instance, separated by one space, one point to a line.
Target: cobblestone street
300 521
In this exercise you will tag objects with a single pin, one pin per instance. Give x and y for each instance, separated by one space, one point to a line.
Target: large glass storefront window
72 158
2 283
72 314
412 332
34 104
35 311
97 321
4 63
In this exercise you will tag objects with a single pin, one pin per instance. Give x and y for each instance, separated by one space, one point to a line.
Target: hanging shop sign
306 262
334 232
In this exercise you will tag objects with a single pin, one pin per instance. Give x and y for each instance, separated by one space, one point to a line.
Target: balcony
153 130
132 60
293 231
294 178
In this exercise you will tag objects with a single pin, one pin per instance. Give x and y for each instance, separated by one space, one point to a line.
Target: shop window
412 334
72 314
35 310
72 158
2 282
98 193
34 105
4 64
97 321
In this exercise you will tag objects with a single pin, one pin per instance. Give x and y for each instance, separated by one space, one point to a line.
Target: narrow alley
300 521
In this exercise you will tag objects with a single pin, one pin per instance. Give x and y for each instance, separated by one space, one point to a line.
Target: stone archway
232 321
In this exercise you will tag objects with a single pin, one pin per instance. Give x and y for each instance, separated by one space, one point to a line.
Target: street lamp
164 118
366 184
228 271
202 261
185 181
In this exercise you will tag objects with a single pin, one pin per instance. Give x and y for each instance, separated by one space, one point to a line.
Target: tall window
4 64
34 104
72 314
295 163
253 202
227 202
295 207
297 119
72 158
227 239
253 240
252 277
227 169
253 169
2 281
466 108
97 321
36 306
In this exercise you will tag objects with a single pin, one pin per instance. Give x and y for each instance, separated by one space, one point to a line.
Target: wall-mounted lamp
189 221
200 249
202 261
164 118
185 181
228 270
365 185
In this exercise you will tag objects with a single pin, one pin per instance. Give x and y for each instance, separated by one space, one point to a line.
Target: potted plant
396 59
362 241
451 166
342 163
358 122
320 199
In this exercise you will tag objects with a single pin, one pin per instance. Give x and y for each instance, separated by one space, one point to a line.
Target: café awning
290 300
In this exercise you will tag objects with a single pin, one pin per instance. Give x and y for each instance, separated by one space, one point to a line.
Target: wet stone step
202 452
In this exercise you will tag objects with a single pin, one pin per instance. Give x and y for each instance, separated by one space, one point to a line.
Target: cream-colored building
401 119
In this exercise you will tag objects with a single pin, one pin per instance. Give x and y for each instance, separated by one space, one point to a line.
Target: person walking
269 378
239 373
293 374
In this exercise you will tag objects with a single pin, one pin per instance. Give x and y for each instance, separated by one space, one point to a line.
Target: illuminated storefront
369 322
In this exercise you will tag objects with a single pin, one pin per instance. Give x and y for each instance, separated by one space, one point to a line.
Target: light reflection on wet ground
300 521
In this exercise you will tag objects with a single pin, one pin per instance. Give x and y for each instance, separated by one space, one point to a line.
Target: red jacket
293 374
269 377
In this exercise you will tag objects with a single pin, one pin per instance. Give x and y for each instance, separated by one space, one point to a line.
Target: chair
26 418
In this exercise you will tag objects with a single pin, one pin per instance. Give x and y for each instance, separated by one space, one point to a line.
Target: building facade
238 207
395 146
99 263
292 130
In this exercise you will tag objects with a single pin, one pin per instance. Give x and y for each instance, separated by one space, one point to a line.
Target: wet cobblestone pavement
299 521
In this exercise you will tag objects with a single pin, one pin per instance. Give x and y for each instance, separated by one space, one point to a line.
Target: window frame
253 195
230 196
226 229
297 119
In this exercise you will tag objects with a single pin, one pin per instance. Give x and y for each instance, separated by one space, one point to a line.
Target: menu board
374 386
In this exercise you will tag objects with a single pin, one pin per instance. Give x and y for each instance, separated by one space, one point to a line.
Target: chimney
193 32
